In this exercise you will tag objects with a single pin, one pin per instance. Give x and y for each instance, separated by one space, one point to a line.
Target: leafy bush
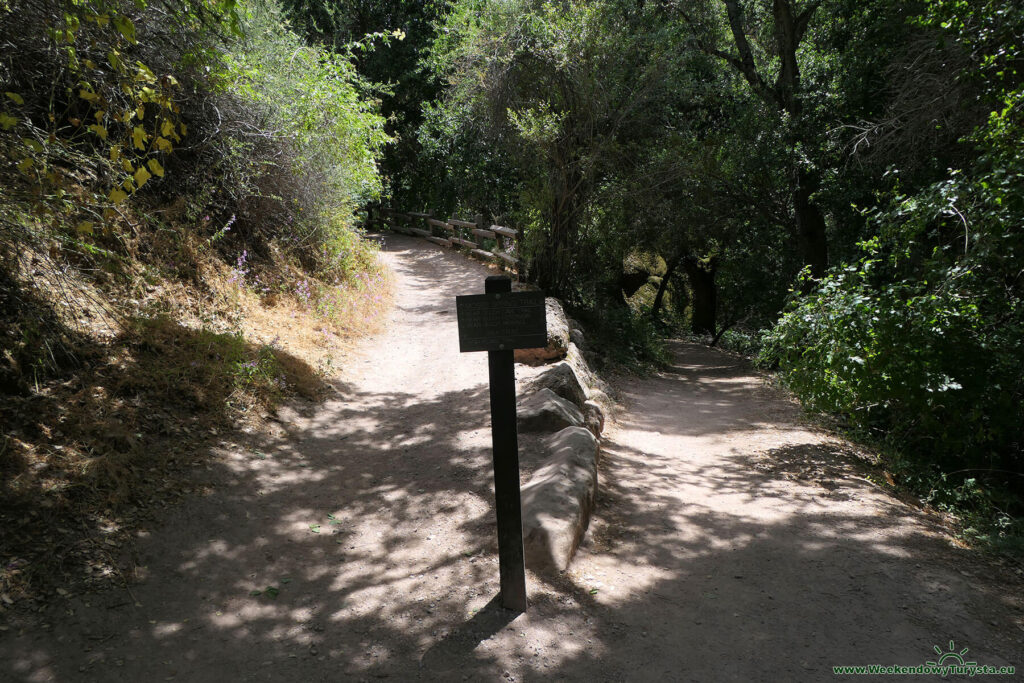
299 139
107 104
741 341
92 103
629 339
920 343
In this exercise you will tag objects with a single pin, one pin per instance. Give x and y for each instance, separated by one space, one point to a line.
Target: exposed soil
113 389
732 541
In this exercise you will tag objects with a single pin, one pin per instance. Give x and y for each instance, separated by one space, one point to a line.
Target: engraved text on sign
496 322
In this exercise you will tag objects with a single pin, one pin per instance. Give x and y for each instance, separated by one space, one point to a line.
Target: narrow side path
740 544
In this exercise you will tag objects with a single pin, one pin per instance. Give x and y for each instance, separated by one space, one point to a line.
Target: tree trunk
552 264
659 297
790 26
810 225
704 293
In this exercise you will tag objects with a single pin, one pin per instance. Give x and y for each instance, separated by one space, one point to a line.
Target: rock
558 337
575 333
545 411
602 399
593 417
576 337
562 379
588 378
558 499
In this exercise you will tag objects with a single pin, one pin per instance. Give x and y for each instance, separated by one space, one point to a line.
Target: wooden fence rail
490 243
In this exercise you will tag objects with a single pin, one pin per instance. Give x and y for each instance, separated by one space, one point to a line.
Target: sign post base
505 440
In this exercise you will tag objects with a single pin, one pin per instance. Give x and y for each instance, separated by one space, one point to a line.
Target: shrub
93 106
921 342
298 140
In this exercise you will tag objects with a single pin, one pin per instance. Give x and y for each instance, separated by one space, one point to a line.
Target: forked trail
730 542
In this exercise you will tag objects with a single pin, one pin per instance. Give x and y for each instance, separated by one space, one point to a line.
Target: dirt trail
730 543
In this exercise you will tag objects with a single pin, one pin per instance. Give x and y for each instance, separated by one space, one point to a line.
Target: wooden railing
489 243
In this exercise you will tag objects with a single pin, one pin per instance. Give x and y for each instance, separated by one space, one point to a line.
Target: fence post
520 261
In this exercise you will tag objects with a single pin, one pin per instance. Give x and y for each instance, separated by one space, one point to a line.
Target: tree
919 341
783 94
560 90
387 40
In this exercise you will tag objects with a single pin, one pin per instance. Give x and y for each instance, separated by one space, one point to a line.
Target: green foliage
121 107
921 342
741 341
540 105
347 256
313 101
386 41
626 339
92 101
292 137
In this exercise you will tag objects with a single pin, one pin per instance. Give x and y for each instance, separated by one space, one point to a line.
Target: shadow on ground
371 521
108 432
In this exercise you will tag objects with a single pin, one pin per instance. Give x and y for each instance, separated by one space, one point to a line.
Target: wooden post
520 261
505 440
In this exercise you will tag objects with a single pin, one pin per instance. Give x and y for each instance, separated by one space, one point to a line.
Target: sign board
498 322
501 321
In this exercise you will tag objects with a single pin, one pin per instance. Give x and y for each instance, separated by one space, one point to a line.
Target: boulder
602 399
562 379
593 417
558 337
558 499
545 411
588 378
576 337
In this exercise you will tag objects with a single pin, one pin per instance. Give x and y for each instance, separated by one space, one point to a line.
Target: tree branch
745 64
804 18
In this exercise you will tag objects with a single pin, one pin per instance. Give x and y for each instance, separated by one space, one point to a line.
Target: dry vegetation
117 379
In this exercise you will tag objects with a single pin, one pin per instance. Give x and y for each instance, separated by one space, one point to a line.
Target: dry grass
115 388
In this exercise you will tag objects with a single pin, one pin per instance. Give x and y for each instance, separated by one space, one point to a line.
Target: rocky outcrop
558 337
562 380
558 499
545 411
569 401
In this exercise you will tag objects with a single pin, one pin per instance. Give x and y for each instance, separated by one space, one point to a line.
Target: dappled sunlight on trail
731 541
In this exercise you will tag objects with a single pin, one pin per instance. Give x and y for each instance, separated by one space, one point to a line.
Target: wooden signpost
499 321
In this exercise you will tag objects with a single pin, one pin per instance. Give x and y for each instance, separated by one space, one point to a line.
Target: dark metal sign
498 322
501 321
